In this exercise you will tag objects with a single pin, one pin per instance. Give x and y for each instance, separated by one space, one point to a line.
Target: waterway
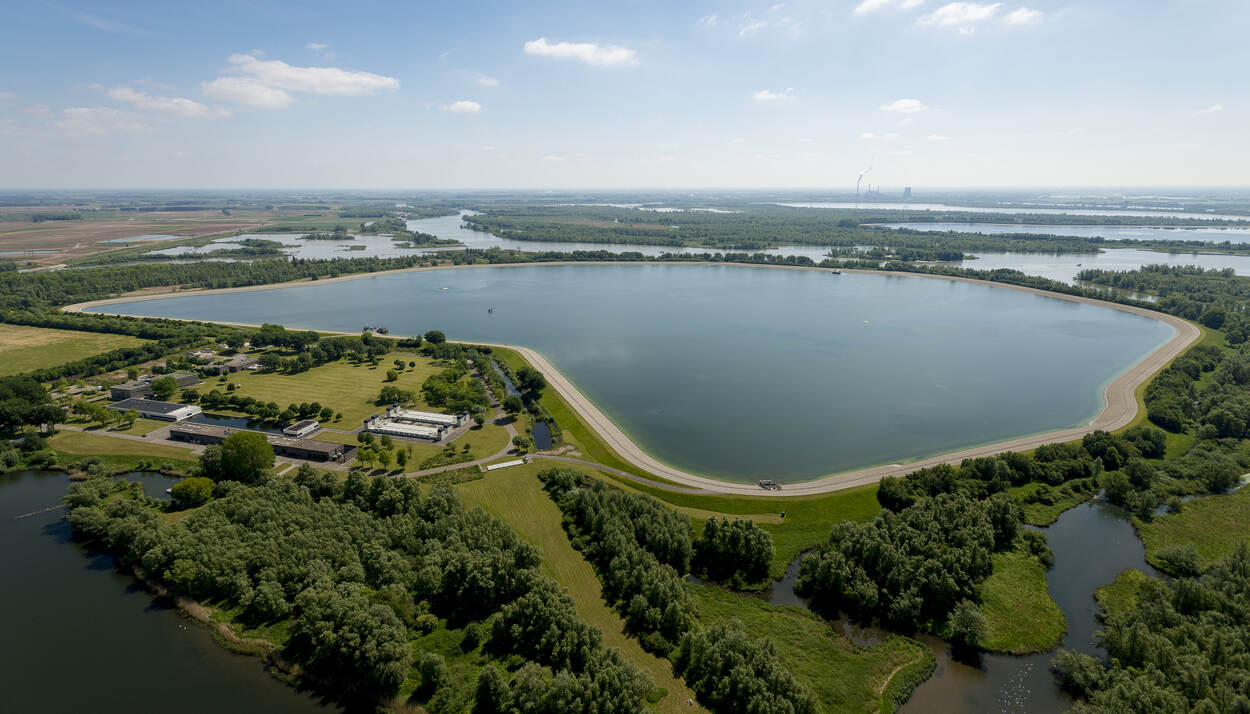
746 372
1215 235
1092 543
1064 268
79 636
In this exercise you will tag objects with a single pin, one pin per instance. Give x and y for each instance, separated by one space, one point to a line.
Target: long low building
378 425
151 409
306 449
395 413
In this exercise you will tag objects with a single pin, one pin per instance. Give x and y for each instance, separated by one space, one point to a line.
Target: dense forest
1175 646
356 571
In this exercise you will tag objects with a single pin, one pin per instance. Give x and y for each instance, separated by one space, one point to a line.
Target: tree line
641 549
355 570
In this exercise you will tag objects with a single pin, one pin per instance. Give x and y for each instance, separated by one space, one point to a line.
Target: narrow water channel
1092 544
79 636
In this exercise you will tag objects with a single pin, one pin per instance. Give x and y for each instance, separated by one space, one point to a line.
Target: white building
395 413
150 409
378 425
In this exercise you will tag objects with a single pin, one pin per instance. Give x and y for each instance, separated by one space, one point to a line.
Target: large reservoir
742 372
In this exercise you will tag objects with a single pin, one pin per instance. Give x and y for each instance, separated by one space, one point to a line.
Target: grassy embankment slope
119 454
25 348
845 677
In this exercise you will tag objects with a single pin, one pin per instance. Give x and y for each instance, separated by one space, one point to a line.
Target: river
1216 235
81 637
1092 543
746 372
1015 210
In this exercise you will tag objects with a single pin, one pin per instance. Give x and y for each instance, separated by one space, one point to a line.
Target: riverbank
1120 404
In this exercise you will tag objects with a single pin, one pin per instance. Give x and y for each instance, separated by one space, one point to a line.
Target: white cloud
1023 16
104 24
553 157
5 96
961 14
904 106
272 83
313 80
868 6
485 81
81 121
750 27
709 21
890 136
244 90
901 152
738 140
937 137
173 106
464 106
317 46
590 53
768 95
867 135
905 121
1211 109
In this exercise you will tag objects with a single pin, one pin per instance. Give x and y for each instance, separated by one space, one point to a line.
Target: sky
626 94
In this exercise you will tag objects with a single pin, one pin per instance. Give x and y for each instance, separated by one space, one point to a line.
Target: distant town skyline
436 95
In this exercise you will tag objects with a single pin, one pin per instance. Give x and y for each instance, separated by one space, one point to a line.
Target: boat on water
835 271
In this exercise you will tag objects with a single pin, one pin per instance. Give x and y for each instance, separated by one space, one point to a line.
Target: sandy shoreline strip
1120 395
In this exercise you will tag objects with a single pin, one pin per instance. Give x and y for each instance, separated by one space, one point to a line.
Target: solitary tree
245 455
191 492
164 388
435 337
130 416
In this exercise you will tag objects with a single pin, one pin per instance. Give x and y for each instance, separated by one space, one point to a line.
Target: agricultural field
25 348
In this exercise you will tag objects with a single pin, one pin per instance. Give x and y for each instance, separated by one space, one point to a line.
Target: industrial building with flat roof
306 449
378 425
142 387
302 428
150 409
234 364
395 413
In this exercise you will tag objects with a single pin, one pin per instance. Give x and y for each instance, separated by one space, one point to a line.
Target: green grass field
1213 524
1016 601
139 428
118 453
845 678
516 496
341 386
25 348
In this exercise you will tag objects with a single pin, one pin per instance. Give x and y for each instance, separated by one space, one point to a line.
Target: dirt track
1120 409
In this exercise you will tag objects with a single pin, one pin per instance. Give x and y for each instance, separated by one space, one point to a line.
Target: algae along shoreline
747 372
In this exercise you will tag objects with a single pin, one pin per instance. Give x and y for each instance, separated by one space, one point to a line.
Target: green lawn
341 386
1213 524
483 441
140 427
25 348
119 453
1016 601
516 496
845 678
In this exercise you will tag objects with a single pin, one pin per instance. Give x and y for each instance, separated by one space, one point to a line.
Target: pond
744 373
82 637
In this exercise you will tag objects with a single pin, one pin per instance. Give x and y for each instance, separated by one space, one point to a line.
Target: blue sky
625 94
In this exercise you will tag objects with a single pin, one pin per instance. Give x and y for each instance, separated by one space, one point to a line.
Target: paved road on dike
1120 395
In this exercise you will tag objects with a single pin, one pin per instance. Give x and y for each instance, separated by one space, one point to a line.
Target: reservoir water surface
744 373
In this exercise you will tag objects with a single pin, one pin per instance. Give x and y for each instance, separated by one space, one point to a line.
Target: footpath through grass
25 348
516 496
1021 615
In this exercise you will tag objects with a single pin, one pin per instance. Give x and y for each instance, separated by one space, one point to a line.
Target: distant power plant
907 193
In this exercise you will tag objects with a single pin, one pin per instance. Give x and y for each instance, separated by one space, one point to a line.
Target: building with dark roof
151 409
142 386
306 449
